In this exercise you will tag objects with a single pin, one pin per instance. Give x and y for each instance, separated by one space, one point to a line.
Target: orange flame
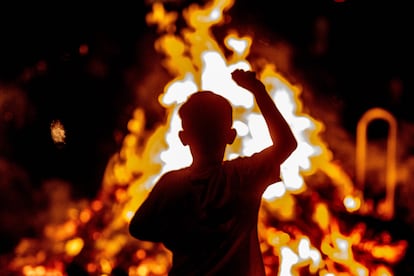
298 230
197 62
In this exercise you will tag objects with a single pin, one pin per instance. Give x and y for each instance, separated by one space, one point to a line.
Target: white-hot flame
197 62
251 127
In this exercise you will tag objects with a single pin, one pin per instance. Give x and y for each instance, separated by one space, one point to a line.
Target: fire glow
296 237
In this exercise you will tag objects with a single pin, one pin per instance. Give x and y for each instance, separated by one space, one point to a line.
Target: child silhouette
206 214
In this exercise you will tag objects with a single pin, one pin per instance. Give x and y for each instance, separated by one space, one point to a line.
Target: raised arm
284 142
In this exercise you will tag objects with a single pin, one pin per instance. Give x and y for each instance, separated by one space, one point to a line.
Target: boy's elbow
136 228
288 148
139 233
134 231
292 145
142 232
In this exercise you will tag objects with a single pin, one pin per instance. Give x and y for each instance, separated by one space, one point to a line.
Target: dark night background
366 62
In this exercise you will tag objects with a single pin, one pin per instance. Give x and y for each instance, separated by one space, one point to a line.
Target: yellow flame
321 216
197 62
74 246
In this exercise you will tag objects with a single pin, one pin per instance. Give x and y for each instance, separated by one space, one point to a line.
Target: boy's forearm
280 132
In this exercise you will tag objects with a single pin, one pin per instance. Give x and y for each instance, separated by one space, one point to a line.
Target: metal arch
385 208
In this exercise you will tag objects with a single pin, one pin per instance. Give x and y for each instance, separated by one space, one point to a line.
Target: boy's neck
205 164
208 159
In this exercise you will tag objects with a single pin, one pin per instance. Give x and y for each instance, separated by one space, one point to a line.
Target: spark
57 131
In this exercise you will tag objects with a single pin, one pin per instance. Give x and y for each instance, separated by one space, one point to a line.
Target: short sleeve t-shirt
208 218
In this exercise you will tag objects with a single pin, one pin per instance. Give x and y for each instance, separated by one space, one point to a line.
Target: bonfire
314 222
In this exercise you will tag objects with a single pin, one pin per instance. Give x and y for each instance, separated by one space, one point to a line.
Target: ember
314 222
57 131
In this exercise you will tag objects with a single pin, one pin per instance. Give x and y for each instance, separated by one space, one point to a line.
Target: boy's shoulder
174 175
176 172
172 182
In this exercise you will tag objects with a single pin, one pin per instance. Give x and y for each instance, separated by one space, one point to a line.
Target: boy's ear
231 136
183 137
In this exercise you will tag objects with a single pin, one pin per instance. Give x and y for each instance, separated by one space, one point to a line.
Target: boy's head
207 120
